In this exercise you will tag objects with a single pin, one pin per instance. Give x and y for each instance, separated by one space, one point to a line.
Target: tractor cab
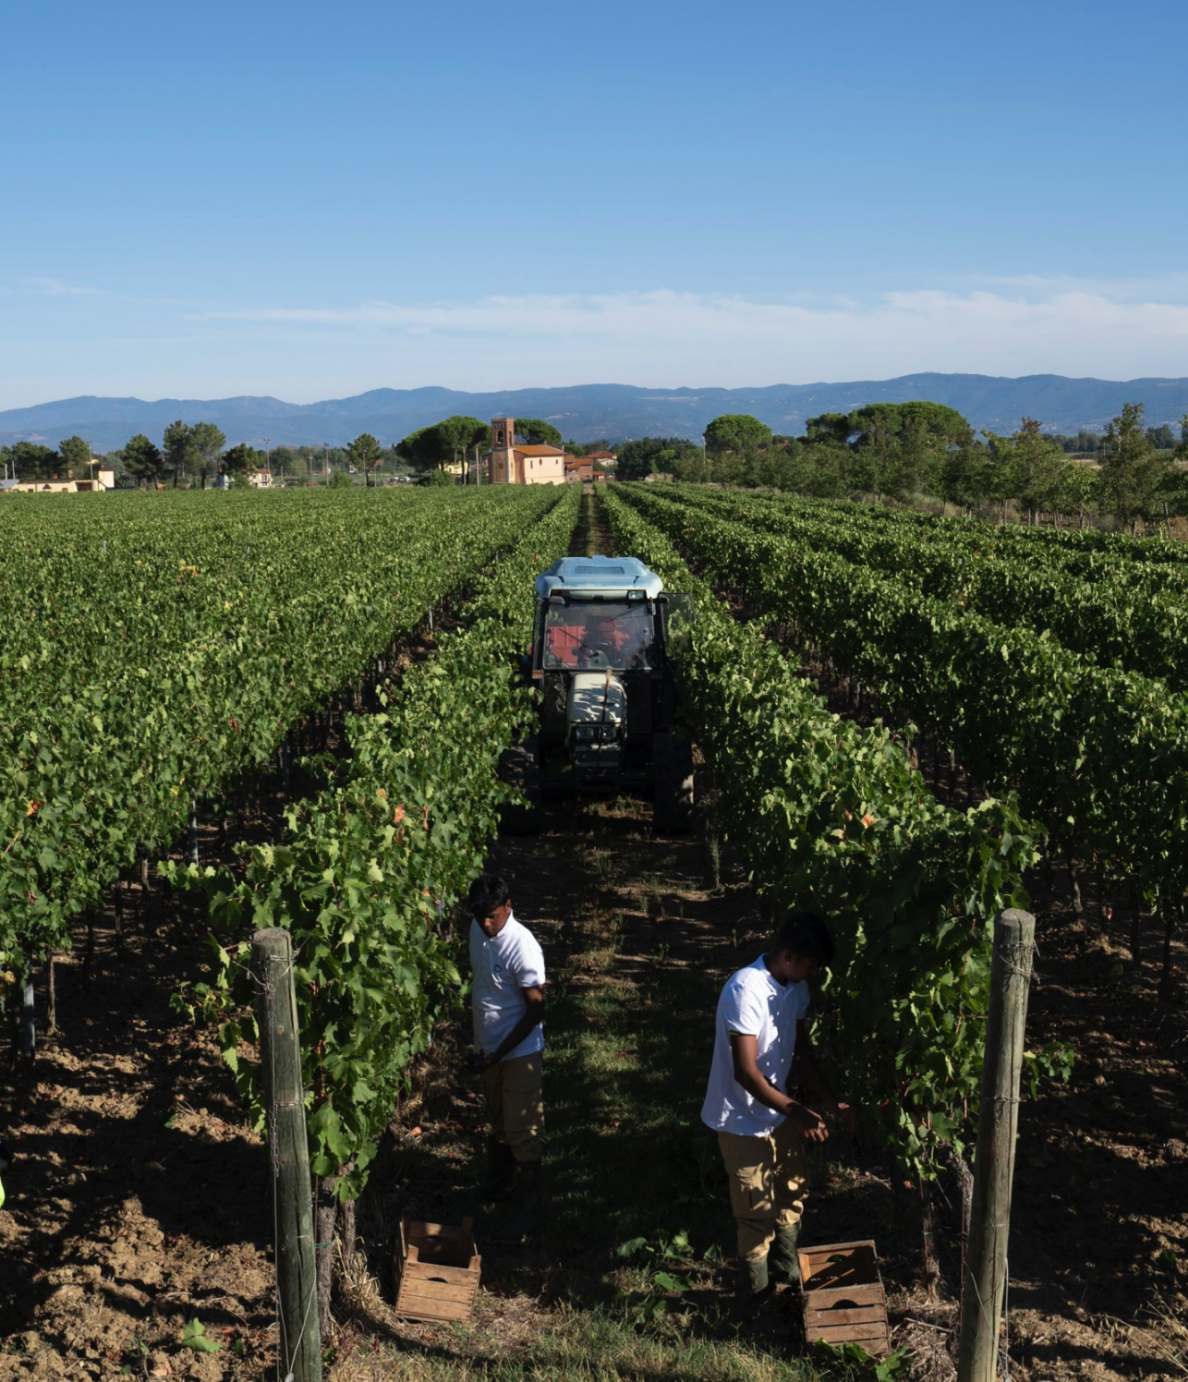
601 645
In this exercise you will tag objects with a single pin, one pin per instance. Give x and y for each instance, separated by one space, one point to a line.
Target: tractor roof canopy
593 578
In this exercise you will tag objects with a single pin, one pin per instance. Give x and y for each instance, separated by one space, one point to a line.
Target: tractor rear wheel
672 760
519 767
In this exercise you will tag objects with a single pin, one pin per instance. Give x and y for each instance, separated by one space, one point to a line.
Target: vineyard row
1113 620
142 668
1099 755
830 814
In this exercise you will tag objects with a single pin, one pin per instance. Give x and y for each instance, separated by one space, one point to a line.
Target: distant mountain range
585 412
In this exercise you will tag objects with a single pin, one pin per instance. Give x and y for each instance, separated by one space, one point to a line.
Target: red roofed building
512 464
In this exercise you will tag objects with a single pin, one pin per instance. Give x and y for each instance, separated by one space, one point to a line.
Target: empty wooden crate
844 1301
438 1270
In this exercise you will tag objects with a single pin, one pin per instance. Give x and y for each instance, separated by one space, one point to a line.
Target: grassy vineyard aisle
830 815
637 934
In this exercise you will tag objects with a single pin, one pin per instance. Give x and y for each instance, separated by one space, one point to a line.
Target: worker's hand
478 1061
812 1125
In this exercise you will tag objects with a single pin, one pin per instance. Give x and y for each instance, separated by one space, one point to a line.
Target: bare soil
139 1199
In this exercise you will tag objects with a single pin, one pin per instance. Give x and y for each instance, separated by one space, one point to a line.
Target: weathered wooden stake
28 1019
964 1178
51 995
89 953
986 1262
300 1354
325 1224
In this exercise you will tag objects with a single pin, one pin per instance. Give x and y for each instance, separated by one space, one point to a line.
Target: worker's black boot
783 1262
501 1167
531 1215
753 1284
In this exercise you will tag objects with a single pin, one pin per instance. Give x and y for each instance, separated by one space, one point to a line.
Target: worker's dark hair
805 934
487 892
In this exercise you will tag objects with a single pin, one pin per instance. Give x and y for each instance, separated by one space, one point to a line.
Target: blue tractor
609 700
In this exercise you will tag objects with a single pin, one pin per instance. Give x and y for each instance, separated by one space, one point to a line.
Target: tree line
198 451
897 450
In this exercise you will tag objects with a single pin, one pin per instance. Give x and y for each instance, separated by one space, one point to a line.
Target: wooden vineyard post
28 1018
986 1260
300 1354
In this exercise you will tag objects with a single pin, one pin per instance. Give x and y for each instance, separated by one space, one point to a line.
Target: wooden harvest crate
844 1301
438 1271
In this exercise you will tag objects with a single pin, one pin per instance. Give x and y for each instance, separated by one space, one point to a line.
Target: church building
512 464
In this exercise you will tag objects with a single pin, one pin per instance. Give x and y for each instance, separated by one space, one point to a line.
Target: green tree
76 457
29 460
458 435
208 442
442 444
179 449
821 472
1000 470
1036 463
736 432
586 448
242 458
536 432
660 455
286 461
365 453
864 465
1084 443
828 427
1077 488
1132 472
143 461
965 475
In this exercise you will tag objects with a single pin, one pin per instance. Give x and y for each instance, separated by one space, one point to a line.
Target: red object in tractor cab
564 641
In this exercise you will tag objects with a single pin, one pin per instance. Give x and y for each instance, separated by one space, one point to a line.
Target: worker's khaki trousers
515 1104
768 1184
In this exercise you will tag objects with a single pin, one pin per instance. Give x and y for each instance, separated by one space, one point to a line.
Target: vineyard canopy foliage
157 651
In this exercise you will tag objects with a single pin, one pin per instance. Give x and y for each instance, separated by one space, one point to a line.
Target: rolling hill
588 411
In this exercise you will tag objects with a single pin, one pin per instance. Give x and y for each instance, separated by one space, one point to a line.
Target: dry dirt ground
139 1200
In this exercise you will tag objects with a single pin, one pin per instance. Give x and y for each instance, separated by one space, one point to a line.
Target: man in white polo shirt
507 1003
761 1038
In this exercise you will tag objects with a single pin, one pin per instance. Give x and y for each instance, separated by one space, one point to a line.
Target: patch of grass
628 1044
579 1346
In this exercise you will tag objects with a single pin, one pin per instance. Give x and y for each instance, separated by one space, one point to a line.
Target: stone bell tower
503 445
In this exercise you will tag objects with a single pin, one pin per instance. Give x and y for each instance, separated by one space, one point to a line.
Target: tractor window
594 634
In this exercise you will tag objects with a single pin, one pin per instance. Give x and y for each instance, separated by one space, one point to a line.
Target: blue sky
313 200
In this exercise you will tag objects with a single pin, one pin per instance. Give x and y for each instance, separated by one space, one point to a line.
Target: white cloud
46 287
61 339
666 338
